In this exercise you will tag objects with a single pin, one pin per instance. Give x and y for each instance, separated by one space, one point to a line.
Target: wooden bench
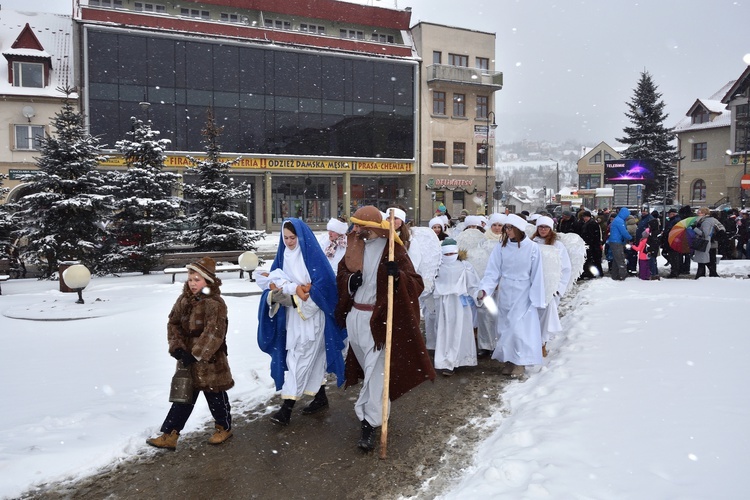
225 261
3 277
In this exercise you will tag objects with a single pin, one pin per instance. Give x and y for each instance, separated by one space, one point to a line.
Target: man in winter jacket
618 237
592 236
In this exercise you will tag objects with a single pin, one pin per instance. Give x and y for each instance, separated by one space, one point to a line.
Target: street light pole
557 177
487 163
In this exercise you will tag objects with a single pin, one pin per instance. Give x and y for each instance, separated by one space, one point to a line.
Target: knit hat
397 213
436 221
449 245
337 226
473 220
517 221
533 217
586 213
545 221
497 219
206 267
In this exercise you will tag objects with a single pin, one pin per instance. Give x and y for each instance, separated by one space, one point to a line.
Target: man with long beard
362 281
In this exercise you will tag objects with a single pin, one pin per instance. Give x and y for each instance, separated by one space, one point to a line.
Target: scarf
334 245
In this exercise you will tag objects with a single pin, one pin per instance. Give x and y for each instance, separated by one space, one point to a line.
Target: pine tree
63 217
145 205
219 225
649 140
6 225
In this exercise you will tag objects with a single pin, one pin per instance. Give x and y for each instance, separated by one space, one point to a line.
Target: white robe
324 242
549 317
305 341
455 288
519 272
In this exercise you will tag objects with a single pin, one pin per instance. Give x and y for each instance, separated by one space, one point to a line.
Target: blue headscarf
272 331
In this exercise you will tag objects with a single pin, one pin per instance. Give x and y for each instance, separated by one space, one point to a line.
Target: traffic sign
745 182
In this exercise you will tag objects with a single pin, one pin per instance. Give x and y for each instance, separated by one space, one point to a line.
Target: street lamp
557 173
487 149
77 277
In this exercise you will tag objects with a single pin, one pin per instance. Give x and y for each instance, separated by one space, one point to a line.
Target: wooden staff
388 336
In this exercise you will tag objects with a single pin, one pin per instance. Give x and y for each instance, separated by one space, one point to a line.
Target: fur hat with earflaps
206 267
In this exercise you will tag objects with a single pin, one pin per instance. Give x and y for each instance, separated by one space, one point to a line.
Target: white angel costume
334 250
478 249
456 287
517 268
557 277
424 253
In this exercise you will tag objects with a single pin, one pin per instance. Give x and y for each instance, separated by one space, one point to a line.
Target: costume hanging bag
698 243
181 390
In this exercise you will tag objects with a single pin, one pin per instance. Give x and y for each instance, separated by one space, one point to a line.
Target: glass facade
269 101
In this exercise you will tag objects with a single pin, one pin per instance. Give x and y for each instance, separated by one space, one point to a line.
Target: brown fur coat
410 363
198 324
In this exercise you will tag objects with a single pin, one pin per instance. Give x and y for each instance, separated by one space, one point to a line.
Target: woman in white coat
516 266
549 317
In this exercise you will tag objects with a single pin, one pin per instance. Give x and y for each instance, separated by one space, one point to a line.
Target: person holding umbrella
707 227
362 281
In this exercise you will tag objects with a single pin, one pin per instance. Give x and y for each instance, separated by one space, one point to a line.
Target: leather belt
364 307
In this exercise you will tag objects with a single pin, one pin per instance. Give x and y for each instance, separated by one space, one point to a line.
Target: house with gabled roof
37 50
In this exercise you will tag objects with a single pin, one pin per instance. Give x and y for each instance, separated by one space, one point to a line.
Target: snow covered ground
643 395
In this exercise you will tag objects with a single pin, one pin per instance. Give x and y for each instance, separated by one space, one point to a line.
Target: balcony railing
461 74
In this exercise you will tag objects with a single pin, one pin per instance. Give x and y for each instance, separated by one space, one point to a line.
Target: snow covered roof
55 35
714 106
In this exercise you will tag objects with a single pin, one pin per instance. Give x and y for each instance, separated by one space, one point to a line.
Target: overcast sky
570 66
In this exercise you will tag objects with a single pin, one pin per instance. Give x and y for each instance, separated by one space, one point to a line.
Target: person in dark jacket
592 236
679 263
567 223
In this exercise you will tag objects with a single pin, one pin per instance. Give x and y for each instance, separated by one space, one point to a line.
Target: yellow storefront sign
280 163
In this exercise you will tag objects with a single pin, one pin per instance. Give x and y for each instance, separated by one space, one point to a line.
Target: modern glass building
320 106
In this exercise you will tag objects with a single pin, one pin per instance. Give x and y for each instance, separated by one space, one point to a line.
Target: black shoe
447 373
284 415
367 440
481 353
318 404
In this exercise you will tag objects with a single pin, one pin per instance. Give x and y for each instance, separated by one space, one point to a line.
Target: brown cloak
410 363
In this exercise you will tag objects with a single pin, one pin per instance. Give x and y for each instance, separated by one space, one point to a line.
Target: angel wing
552 270
475 245
530 230
576 248
425 254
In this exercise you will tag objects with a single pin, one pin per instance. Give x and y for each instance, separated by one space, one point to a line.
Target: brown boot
517 371
220 435
508 368
544 350
166 441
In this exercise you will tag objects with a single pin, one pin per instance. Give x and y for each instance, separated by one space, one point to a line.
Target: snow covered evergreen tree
63 217
218 225
648 139
6 224
145 204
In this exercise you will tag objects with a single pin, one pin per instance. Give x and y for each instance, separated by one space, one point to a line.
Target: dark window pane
226 59
252 71
161 62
